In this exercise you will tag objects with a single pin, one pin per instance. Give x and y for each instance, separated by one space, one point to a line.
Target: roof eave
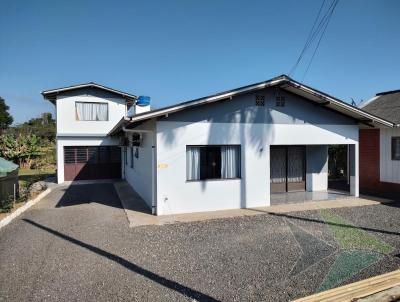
52 94
118 127
335 102
281 80
207 100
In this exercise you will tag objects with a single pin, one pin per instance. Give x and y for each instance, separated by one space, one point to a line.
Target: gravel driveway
75 245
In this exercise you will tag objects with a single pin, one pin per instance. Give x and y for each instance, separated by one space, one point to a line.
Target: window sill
213 179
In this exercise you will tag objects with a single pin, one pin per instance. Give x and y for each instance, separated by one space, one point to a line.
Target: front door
287 169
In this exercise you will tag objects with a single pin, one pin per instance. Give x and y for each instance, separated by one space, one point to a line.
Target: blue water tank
143 100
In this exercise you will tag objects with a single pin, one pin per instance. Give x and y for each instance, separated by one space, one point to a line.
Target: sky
179 50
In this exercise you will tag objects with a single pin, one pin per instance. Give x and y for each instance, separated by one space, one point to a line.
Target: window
280 101
395 148
92 154
212 162
132 157
86 111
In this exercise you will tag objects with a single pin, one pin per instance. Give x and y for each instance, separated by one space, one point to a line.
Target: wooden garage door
92 162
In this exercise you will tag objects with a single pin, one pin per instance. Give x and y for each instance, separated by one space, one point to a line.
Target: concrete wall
140 176
66 112
78 141
354 169
239 121
317 168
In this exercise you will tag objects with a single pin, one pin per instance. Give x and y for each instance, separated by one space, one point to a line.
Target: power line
307 41
320 38
316 31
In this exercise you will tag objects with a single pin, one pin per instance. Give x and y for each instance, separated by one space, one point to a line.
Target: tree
44 127
5 117
21 148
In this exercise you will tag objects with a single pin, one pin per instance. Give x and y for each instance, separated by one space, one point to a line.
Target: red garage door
92 162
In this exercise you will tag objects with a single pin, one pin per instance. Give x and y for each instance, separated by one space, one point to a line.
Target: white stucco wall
317 168
78 141
389 169
66 115
176 195
140 176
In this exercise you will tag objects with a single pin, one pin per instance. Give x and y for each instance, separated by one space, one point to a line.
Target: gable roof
282 81
51 94
386 105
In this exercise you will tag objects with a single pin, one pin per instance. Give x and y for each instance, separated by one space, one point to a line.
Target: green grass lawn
33 175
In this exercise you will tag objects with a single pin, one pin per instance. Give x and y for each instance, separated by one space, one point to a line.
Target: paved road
76 245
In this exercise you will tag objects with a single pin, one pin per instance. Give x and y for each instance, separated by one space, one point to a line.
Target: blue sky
179 50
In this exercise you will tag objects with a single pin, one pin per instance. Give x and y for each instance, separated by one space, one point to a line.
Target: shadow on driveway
186 291
101 193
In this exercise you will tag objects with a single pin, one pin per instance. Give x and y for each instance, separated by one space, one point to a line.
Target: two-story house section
85 113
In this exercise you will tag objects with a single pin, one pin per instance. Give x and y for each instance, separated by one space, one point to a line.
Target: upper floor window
212 162
395 148
86 111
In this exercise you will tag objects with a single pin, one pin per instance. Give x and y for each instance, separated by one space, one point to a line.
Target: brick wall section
369 159
370 165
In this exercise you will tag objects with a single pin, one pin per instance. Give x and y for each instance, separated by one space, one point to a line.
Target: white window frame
92 120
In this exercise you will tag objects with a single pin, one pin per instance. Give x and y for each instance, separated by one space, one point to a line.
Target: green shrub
7 205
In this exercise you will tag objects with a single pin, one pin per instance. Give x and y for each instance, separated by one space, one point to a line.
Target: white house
85 114
225 151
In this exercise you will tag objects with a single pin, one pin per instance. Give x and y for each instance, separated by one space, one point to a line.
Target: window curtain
278 165
230 162
295 164
192 163
91 111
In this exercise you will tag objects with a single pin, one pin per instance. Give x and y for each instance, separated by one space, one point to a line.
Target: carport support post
353 169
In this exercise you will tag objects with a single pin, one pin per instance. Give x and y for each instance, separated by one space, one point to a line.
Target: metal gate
92 162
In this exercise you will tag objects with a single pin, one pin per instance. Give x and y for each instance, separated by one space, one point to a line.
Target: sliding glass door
287 168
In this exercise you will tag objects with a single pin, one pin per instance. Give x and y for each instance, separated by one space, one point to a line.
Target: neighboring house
85 113
233 149
380 147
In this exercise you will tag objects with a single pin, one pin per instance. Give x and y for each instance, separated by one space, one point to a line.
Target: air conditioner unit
136 140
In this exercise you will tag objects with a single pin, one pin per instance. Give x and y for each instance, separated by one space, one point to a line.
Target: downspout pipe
153 167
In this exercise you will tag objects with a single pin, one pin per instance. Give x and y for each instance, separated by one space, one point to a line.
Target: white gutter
153 168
